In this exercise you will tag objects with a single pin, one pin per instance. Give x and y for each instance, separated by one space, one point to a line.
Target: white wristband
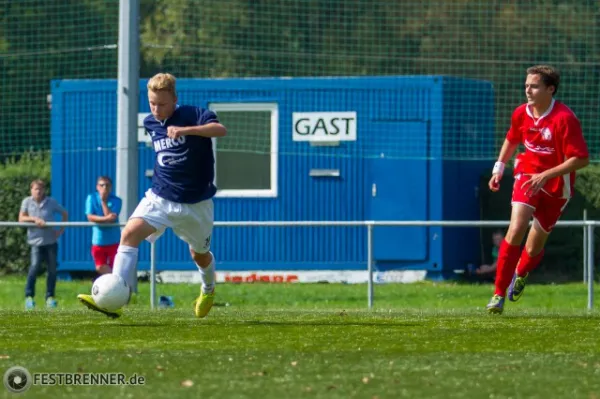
498 168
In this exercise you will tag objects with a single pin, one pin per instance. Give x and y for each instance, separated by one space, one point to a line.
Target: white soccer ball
110 292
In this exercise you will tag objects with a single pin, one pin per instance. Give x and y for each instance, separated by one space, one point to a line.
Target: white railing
588 240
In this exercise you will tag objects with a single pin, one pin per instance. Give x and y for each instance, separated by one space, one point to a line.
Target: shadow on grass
287 323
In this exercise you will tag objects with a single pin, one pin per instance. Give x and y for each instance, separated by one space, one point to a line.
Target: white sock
125 265
207 276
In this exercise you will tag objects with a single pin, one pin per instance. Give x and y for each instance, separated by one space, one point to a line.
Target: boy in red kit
544 178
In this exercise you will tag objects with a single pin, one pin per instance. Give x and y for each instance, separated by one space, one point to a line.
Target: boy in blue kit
182 189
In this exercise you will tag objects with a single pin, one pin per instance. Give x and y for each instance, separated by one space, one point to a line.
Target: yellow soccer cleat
203 304
88 301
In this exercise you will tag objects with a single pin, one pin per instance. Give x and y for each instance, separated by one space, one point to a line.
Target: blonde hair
162 82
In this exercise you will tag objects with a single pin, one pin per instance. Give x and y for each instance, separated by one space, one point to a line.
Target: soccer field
313 341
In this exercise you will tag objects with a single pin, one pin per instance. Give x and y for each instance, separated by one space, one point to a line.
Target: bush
564 250
16 174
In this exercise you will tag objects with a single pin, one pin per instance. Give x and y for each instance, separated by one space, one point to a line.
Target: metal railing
588 241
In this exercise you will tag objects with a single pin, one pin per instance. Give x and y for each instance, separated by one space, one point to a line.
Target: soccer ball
110 292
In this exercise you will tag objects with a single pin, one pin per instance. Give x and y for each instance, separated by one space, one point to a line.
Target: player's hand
175 132
111 217
535 183
39 222
494 183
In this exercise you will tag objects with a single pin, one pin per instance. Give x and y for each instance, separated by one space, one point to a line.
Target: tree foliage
494 40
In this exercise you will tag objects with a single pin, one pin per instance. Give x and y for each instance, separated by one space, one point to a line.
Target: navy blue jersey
184 169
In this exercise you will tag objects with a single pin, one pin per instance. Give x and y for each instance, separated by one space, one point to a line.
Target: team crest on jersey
546 134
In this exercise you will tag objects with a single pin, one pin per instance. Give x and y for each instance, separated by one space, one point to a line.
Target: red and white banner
312 276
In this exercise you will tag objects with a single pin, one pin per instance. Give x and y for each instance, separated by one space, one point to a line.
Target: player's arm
570 165
576 156
213 129
507 151
206 124
574 148
510 145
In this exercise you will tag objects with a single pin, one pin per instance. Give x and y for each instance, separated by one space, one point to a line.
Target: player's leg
529 259
148 221
125 263
545 218
195 228
523 208
205 262
510 249
508 254
110 253
206 266
136 230
36 260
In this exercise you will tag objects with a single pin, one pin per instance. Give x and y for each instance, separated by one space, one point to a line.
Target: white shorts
193 223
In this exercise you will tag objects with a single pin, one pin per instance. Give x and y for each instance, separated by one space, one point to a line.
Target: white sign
324 126
143 136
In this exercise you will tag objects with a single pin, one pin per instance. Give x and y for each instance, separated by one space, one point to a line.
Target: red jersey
549 141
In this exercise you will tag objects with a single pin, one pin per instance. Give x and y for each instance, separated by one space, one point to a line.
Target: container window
246 159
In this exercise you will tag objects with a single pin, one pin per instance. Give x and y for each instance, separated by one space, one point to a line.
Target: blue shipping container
420 146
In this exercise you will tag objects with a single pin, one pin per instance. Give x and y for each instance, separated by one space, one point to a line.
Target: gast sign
324 126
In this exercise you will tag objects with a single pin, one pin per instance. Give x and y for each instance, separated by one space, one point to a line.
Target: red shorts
547 209
104 254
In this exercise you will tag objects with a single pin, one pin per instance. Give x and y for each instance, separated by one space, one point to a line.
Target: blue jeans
40 253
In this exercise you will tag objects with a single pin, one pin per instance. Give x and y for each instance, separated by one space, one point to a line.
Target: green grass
314 341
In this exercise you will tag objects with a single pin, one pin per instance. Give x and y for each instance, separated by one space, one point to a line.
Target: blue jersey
104 235
184 170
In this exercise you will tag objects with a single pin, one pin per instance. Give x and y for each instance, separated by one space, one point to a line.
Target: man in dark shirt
182 189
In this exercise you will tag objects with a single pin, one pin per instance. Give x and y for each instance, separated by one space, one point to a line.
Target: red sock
528 263
508 256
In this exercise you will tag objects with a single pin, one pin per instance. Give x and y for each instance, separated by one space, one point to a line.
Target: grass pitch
421 340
